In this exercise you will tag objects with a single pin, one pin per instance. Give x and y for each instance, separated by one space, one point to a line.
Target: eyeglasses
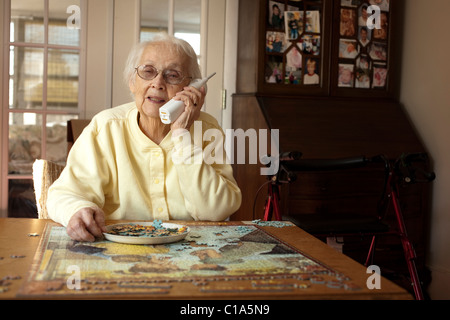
148 72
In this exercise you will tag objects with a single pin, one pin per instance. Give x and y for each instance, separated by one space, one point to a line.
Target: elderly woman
127 164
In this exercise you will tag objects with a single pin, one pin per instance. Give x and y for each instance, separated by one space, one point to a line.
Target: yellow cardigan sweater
114 166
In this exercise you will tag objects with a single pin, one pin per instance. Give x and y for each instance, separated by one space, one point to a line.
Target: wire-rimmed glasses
171 76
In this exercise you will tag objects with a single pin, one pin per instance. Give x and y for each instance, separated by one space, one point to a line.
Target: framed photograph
311 76
276 15
363 15
294 62
275 42
310 45
379 76
378 51
346 75
294 24
381 34
312 21
364 35
383 4
350 3
362 72
274 69
348 48
348 22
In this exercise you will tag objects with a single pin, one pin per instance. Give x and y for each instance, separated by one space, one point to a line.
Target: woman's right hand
87 224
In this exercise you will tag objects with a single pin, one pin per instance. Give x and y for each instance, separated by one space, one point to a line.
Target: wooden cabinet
327 119
331 52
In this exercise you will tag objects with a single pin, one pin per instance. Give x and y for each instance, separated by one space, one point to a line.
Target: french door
42 73
63 60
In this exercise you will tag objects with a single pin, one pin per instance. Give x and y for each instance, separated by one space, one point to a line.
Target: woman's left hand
193 100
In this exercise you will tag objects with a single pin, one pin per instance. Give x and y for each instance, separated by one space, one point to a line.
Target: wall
99 57
425 93
113 28
230 59
214 46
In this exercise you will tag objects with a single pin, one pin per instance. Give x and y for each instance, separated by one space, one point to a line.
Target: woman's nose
158 82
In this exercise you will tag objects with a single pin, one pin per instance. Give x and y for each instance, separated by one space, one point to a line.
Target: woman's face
150 95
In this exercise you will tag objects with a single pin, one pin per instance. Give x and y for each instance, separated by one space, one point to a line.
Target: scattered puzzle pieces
276 224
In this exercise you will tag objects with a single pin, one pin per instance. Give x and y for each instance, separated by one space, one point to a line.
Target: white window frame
6 14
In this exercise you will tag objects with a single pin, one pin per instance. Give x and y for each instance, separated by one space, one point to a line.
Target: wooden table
20 240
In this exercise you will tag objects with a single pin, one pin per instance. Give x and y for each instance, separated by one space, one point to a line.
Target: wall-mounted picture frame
312 72
383 4
310 44
348 48
364 35
293 24
362 72
294 65
348 21
362 50
346 75
276 15
379 76
303 41
275 41
274 69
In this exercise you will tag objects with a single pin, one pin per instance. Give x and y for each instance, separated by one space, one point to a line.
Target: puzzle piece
157 224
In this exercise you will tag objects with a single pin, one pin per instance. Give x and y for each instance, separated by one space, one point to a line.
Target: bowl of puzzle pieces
155 232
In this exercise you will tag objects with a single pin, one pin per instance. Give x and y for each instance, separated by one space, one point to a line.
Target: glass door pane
56 143
62 83
63 27
25 142
27 21
26 74
187 19
154 18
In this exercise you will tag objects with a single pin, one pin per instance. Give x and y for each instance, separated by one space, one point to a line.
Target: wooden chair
44 174
74 129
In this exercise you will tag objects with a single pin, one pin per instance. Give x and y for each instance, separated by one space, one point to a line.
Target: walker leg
408 250
369 259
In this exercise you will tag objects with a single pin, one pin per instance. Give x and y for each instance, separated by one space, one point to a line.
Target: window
45 86
178 17
202 24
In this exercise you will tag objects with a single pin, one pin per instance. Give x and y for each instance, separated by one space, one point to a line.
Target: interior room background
81 70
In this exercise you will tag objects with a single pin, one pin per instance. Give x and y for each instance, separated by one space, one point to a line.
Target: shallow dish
146 239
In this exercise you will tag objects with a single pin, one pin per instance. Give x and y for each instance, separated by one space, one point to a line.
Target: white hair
181 46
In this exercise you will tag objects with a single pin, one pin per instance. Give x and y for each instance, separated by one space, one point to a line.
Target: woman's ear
131 85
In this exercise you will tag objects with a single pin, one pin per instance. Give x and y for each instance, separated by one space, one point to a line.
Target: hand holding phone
174 108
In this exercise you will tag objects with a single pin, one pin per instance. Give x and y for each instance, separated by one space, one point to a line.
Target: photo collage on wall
363 44
293 42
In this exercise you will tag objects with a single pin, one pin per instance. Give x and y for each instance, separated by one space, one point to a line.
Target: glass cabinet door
295 47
